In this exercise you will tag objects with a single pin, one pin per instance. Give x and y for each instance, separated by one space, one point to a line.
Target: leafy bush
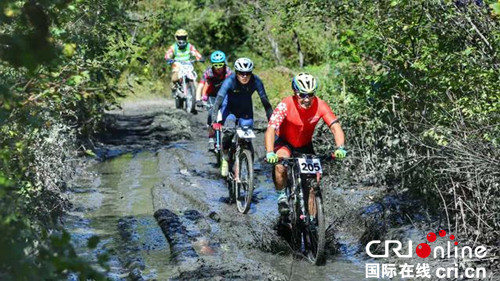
59 65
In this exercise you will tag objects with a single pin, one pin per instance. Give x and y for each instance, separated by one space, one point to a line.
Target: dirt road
159 205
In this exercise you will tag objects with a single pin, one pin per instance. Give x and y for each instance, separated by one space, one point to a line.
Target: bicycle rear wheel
314 234
244 188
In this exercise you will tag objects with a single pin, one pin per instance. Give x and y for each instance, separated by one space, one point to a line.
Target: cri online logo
423 250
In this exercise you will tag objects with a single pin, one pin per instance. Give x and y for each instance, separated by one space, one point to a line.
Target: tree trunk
299 51
274 46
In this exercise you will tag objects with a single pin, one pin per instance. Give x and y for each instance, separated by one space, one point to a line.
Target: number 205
311 167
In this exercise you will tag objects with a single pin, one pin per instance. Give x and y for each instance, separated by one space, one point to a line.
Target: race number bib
310 166
245 134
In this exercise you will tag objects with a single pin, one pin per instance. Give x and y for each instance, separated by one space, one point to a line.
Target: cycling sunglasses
303 96
183 38
218 65
244 73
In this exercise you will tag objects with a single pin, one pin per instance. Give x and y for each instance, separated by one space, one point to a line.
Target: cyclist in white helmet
235 98
291 127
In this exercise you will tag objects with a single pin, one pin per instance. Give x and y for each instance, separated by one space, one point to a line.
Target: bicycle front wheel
244 186
314 234
191 97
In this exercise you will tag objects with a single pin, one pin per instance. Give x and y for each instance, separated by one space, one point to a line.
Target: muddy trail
160 208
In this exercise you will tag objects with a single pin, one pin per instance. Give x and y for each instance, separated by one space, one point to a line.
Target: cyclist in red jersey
291 127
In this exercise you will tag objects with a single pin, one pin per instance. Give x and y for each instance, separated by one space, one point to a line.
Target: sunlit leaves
496 8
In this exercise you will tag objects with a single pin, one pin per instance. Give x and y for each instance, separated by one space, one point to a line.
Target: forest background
415 83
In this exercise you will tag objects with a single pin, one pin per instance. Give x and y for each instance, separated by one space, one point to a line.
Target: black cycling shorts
306 149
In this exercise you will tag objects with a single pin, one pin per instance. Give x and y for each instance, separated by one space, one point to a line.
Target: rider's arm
338 134
199 90
170 53
204 92
226 86
269 139
333 122
278 116
263 97
195 52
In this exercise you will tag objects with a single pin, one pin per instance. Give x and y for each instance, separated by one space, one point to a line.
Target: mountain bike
306 218
240 176
212 144
185 90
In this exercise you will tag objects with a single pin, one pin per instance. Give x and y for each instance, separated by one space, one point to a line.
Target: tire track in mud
190 209
233 238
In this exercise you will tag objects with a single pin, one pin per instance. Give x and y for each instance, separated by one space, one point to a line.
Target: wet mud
160 207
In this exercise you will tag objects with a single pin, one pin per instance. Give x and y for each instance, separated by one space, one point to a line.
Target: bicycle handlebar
330 157
171 61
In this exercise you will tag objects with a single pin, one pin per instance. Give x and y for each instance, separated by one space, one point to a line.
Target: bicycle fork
184 86
302 205
218 147
236 165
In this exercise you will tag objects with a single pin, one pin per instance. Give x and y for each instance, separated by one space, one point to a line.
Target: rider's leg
280 178
199 88
280 170
211 132
174 78
246 122
175 72
226 143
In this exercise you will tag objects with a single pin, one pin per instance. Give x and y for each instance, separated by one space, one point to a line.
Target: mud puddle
161 212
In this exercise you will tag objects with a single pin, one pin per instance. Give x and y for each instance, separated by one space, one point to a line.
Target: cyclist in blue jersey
235 98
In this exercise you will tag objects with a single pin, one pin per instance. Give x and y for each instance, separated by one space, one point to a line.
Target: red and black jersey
214 81
295 124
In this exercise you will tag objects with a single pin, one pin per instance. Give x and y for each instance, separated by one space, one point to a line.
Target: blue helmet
217 57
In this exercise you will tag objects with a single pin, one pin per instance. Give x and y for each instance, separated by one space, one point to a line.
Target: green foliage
60 62
417 89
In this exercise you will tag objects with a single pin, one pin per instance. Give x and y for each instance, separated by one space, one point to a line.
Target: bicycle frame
297 188
187 72
306 221
238 143
185 88
240 181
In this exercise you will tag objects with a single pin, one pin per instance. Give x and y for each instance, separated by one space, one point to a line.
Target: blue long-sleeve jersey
237 98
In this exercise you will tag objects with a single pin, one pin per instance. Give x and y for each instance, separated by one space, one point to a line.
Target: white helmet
243 65
304 83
